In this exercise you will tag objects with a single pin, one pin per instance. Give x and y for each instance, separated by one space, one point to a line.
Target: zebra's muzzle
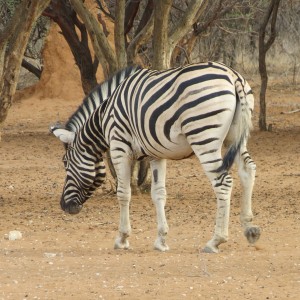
71 207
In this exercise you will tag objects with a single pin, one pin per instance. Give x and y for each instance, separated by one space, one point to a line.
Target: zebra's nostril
74 208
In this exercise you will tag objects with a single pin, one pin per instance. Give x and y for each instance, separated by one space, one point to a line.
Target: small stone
49 254
14 235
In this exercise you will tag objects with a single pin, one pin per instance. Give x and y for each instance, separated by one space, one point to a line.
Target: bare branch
148 12
100 43
141 38
272 37
186 22
106 13
216 15
291 112
131 9
102 22
31 68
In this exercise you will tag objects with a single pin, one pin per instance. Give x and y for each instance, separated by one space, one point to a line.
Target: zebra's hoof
161 245
210 249
252 234
212 245
121 243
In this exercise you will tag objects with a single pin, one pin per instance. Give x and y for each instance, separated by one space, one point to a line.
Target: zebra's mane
97 96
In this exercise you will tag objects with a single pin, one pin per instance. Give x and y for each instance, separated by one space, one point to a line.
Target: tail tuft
229 158
241 126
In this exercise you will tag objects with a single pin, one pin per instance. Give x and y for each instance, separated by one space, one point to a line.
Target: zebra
171 114
99 94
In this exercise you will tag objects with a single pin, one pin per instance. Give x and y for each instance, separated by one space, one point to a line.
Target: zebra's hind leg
158 194
222 183
246 170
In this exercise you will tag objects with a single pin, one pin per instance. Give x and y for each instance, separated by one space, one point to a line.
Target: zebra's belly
180 152
176 148
179 148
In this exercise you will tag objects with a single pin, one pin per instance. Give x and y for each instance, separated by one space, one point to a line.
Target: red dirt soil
72 257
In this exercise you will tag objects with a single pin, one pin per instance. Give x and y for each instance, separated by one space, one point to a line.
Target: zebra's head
85 171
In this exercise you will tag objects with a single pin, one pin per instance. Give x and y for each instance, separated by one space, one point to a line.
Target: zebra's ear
64 135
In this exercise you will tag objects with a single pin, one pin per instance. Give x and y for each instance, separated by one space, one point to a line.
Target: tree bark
141 38
119 34
263 47
165 40
16 35
160 34
147 14
131 10
193 12
103 50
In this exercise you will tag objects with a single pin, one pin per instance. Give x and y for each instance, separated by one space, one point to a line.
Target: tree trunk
263 47
142 37
160 34
119 34
165 40
16 35
103 50
143 32
264 83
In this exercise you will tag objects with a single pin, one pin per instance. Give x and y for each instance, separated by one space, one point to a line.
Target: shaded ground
72 257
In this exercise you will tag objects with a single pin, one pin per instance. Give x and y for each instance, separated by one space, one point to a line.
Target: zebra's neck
96 97
91 135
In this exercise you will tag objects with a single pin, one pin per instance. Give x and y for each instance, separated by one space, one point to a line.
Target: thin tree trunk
263 47
103 50
119 34
141 38
264 83
16 34
160 35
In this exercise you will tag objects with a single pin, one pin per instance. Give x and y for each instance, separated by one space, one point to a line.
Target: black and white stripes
170 114
96 97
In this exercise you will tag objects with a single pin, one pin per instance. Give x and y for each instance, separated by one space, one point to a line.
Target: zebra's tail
241 126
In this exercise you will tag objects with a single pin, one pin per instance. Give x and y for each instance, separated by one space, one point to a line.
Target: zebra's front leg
158 194
122 166
222 186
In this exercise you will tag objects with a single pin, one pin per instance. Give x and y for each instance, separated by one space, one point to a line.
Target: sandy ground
71 257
